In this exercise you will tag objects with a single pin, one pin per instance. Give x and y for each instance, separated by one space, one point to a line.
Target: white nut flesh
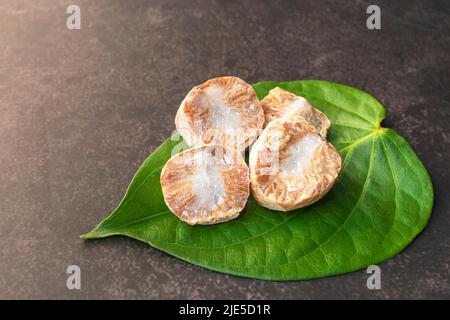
224 111
206 184
291 165
281 103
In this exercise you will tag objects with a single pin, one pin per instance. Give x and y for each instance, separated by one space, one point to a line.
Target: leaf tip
90 235
86 236
98 232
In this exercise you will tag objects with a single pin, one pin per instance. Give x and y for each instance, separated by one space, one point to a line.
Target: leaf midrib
107 226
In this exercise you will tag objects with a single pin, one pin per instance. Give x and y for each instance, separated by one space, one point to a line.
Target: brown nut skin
206 184
224 111
281 103
279 179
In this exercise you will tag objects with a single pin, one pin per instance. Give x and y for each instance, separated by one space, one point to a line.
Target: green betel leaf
381 201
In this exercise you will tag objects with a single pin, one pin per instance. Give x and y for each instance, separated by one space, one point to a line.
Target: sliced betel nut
291 165
206 184
281 103
224 111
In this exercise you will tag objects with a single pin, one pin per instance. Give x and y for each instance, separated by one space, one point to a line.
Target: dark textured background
80 110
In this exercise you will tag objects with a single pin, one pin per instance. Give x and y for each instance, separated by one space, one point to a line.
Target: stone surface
81 109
